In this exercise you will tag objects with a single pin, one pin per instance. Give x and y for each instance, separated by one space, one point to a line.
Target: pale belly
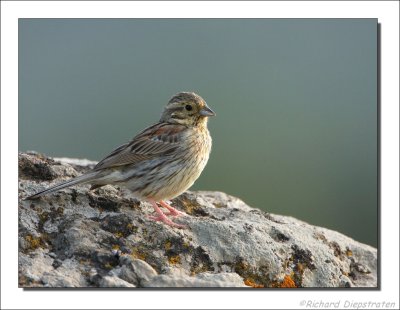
181 181
173 176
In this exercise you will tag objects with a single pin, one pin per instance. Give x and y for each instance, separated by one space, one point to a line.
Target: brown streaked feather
159 139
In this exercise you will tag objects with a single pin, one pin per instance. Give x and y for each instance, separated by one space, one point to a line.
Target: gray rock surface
103 238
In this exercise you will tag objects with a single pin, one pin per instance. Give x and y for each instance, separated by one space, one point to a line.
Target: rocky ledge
103 238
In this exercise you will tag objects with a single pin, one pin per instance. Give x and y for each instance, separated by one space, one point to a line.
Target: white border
12 297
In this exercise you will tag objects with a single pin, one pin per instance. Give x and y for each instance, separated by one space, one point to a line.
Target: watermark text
347 304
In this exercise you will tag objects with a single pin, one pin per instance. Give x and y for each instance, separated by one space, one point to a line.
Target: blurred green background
296 103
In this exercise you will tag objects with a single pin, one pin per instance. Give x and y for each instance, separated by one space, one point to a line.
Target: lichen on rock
103 238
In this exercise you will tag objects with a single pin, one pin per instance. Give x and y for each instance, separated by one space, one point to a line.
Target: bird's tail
85 178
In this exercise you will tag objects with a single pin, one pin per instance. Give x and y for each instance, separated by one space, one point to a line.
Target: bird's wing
157 140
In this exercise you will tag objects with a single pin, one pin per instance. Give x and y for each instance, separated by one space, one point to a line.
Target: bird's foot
161 217
172 210
166 220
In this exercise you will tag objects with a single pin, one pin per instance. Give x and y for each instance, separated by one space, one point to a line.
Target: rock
108 281
103 238
200 280
135 270
39 269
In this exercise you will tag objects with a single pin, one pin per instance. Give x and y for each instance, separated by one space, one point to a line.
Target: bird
159 163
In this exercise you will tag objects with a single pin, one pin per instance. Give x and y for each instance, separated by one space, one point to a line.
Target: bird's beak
206 111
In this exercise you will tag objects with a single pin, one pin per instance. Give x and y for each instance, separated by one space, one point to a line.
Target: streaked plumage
162 161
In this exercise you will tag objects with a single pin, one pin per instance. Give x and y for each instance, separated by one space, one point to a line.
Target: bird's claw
166 221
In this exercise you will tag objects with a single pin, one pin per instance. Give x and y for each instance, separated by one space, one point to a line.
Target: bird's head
186 108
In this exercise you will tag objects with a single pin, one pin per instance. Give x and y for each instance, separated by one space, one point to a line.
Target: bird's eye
188 107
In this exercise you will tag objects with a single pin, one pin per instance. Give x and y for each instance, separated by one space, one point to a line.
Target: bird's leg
172 210
162 217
